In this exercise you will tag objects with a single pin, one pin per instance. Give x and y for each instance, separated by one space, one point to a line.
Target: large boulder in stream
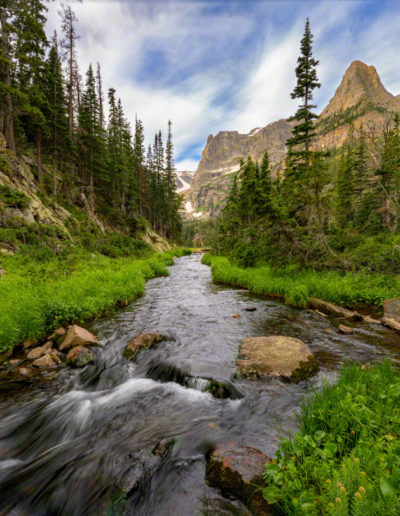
237 471
142 341
276 356
77 336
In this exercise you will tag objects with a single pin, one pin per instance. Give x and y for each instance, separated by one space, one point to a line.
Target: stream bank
81 442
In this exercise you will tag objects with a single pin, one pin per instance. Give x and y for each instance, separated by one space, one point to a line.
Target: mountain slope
360 98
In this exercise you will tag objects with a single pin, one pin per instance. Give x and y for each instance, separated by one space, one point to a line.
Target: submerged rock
278 356
345 330
77 336
163 448
237 471
334 310
44 362
40 351
250 309
79 356
142 341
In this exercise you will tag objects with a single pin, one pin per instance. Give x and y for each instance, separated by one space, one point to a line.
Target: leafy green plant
345 458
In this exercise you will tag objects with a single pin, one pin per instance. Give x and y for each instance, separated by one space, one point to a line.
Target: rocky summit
360 100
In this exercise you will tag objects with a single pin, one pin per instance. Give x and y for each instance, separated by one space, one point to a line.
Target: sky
213 65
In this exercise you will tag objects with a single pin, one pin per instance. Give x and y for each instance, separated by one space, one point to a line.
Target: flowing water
81 442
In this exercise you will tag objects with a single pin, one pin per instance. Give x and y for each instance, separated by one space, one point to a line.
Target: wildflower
361 489
381 459
338 500
356 459
363 473
343 489
293 458
330 504
352 432
357 495
328 481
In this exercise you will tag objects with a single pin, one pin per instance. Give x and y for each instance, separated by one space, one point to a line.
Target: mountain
360 98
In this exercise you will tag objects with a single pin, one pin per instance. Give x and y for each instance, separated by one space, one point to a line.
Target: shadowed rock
345 330
142 341
79 356
237 471
276 356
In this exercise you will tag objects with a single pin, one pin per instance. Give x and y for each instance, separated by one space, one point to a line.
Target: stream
80 442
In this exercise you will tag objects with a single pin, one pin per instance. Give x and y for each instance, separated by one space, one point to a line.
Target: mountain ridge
360 100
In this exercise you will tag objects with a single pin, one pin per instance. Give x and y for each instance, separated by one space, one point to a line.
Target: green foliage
40 295
295 286
345 458
13 198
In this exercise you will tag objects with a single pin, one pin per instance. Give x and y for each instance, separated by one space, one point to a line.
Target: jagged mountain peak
360 84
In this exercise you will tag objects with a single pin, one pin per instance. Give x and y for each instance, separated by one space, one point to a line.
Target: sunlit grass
295 287
37 297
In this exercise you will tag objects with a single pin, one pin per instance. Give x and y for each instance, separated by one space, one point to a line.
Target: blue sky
215 65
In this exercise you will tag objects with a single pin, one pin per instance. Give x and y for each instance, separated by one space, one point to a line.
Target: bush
13 198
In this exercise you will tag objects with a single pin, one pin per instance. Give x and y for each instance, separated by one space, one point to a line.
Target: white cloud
197 86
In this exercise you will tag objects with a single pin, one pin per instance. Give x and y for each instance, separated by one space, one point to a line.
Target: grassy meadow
38 295
354 289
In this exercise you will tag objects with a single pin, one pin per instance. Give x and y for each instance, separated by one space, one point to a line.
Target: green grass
296 287
345 459
38 295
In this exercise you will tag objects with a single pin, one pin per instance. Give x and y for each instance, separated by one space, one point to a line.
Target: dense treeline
338 209
45 104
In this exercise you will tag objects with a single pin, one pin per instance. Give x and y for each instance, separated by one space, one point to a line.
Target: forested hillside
326 208
83 153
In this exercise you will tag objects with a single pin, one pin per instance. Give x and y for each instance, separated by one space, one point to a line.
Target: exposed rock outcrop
276 356
360 98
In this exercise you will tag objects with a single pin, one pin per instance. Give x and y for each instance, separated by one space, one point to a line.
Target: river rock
391 323
334 310
278 356
250 309
236 316
40 351
77 336
371 320
391 309
79 356
345 330
44 362
26 372
59 332
237 471
142 341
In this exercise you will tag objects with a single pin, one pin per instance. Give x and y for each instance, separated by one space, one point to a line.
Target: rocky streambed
185 427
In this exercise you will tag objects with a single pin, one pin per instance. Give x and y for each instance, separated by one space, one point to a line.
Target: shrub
13 198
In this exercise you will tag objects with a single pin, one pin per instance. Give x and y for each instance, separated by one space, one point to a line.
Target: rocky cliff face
360 98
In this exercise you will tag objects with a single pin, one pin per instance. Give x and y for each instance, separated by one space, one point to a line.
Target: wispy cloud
218 65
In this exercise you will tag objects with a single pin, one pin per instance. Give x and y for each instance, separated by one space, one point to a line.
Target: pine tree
55 113
7 91
299 155
68 43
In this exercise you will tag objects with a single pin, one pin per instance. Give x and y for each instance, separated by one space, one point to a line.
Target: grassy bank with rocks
356 289
39 295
